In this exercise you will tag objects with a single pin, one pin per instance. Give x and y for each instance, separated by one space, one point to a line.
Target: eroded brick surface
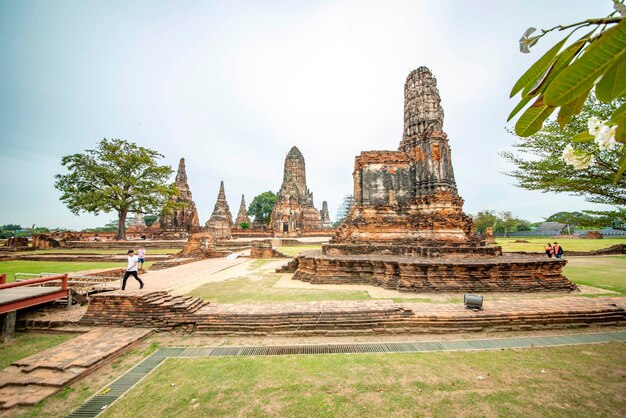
32 379
347 317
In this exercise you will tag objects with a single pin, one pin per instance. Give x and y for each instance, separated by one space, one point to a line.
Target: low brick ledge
154 310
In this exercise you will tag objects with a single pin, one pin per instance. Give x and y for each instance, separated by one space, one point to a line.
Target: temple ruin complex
294 211
221 221
184 219
407 230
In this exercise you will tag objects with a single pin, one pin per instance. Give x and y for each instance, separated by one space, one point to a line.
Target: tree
150 219
262 206
589 219
568 218
540 165
485 219
564 77
115 176
506 220
244 225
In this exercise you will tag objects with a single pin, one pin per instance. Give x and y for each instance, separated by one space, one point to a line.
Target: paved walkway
30 380
182 279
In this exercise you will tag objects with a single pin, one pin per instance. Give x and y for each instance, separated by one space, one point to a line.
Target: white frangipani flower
584 161
594 124
568 154
605 138
580 160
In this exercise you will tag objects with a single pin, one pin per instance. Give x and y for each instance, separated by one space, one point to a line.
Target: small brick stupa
221 220
325 216
242 215
184 219
407 229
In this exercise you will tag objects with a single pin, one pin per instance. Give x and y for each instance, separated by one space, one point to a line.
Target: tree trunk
121 225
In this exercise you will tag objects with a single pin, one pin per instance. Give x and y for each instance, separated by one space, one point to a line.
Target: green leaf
620 112
593 63
537 69
560 63
622 168
613 84
519 107
582 137
531 120
572 108
620 132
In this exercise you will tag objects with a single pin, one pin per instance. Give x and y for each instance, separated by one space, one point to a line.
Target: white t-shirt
141 253
132 263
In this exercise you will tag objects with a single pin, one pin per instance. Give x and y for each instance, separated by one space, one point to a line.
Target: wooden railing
5 285
12 301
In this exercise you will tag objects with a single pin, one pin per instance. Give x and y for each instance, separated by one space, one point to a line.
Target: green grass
295 250
604 272
20 266
27 344
260 290
584 380
569 244
100 251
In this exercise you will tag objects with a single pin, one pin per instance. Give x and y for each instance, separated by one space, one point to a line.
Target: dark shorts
140 260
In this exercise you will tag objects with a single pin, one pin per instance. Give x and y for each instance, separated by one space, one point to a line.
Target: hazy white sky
232 86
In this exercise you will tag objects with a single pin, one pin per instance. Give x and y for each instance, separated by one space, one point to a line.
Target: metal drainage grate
95 405
106 396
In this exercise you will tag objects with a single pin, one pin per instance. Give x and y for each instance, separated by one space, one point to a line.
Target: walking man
132 269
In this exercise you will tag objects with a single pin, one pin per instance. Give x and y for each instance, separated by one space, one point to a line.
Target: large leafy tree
540 166
485 219
262 206
115 176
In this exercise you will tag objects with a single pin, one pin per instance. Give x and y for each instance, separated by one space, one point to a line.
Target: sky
232 86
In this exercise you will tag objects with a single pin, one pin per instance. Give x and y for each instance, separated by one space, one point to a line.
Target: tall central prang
409 196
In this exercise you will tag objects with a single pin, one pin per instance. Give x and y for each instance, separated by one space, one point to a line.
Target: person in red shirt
557 249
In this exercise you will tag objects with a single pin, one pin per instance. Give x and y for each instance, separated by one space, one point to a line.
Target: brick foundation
161 310
429 275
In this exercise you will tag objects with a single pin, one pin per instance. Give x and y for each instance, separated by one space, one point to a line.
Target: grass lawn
294 251
584 380
605 272
20 266
27 344
100 251
260 290
537 244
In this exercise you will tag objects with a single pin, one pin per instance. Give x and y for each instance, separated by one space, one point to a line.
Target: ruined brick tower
183 219
406 229
242 215
410 195
325 216
294 211
221 220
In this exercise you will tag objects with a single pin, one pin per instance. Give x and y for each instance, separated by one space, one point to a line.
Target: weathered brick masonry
160 310
407 229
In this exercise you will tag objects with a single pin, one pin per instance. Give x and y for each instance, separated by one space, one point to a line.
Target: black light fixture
474 302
